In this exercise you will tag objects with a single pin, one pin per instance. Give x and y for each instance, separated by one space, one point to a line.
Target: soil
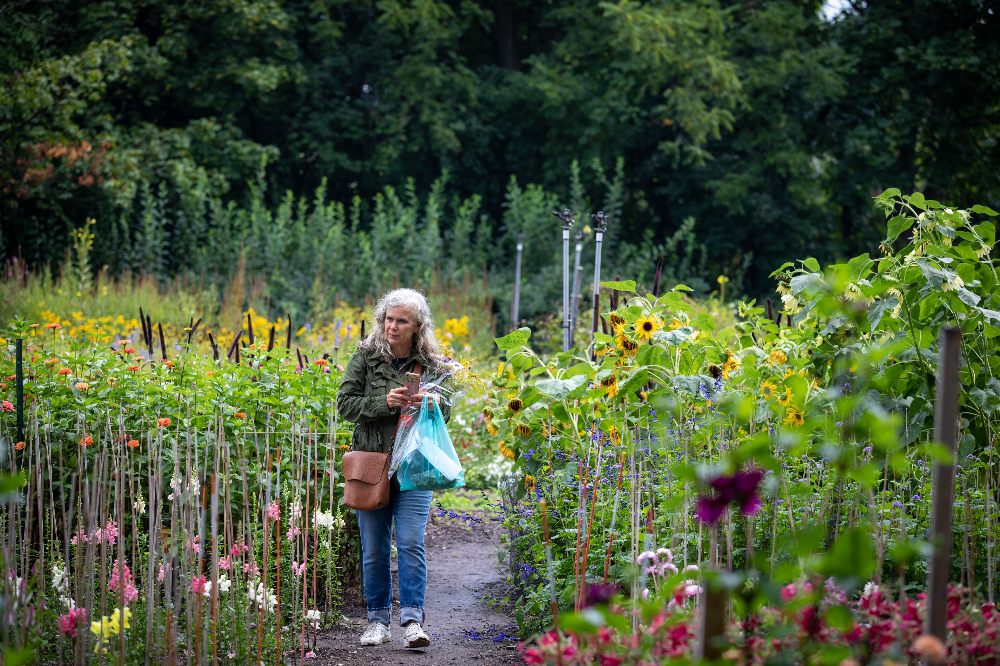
465 617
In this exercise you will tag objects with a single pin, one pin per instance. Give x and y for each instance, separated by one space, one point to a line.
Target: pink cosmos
273 512
69 622
197 584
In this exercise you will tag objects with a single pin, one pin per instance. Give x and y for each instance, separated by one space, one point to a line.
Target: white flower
140 505
692 568
262 596
323 519
224 585
870 589
313 617
60 582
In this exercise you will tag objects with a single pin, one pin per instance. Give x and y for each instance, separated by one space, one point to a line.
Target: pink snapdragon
197 584
298 569
225 563
123 575
293 532
273 512
70 621
108 534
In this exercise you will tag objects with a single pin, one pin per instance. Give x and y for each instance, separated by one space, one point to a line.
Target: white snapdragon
312 618
224 586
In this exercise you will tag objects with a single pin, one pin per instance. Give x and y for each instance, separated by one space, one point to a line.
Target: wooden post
19 389
515 302
711 622
943 493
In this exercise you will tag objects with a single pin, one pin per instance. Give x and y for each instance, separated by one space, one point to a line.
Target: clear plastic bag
432 463
440 384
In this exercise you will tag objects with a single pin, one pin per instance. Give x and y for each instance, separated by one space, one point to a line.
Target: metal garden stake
567 224
515 303
600 226
574 309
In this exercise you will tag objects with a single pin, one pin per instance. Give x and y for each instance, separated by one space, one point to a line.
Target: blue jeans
409 510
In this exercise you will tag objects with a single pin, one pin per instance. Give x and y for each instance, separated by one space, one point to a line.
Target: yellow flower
768 390
627 345
674 324
644 396
617 322
784 400
529 483
505 450
515 405
731 364
610 385
491 428
614 435
794 417
646 326
522 430
778 357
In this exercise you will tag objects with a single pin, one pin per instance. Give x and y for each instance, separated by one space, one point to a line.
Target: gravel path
462 575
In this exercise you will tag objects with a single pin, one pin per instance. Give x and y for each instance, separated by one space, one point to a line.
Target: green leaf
811 264
681 287
851 559
620 285
917 200
11 483
674 337
558 389
839 617
513 340
898 225
984 210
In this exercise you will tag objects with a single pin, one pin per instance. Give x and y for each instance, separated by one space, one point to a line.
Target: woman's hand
420 396
398 398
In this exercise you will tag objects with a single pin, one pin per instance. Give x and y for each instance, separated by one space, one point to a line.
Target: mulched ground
464 626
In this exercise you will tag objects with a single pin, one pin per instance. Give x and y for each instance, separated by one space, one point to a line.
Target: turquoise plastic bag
432 463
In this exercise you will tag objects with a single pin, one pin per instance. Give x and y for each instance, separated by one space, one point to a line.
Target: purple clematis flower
740 487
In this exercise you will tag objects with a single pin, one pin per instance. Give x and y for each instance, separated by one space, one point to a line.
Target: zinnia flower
19 446
86 440
133 368
65 372
81 386
7 406
163 422
132 443
240 415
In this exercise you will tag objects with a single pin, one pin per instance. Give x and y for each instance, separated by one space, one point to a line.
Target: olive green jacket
367 380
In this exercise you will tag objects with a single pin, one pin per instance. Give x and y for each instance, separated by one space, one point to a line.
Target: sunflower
614 436
515 405
610 385
646 326
529 483
674 324
778 357
787 398
505 450
731 364
617 322
522 430
627 345
491 428
768 390
794 417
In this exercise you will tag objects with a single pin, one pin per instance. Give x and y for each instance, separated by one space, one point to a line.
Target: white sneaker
415 636
375 634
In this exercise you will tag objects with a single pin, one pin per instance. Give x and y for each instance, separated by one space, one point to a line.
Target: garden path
462 576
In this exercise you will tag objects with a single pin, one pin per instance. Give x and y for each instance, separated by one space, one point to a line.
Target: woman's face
399 327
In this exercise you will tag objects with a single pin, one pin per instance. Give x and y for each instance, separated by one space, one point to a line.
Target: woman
372 395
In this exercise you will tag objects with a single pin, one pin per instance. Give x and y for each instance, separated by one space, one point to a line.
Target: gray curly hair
425 344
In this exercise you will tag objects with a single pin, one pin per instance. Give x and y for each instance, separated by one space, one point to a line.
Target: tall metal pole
574 309
600 226
515 303
567 224
943 492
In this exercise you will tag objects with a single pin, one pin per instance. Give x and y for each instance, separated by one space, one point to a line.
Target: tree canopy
759 129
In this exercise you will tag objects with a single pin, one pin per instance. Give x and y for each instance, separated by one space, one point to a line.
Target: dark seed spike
149 340
163 343
142 323
249 329
788 318
306 359
215 347
299 355
288 340
270 340
657 275
770 309
232 347
362 329
194 328
237 355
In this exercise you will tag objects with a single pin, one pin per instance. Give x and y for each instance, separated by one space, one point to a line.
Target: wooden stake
943 493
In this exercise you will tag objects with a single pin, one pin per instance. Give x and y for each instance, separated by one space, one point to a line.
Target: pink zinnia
197 584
